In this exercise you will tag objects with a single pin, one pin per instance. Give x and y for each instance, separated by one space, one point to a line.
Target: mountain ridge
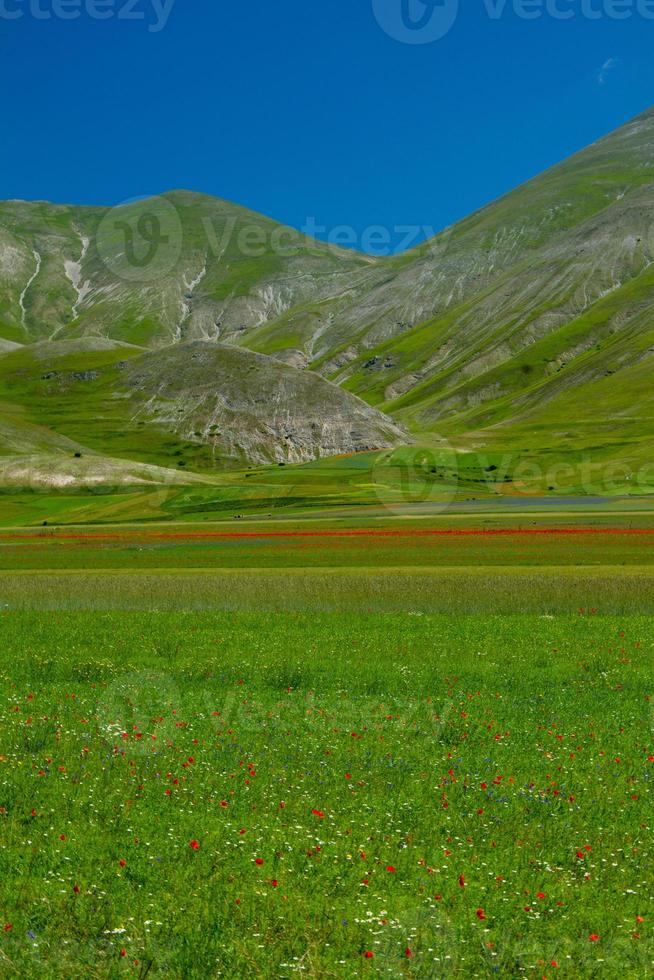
463 338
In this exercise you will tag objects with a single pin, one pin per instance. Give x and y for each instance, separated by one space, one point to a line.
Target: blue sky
306 110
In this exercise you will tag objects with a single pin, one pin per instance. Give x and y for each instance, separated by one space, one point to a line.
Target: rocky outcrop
251 406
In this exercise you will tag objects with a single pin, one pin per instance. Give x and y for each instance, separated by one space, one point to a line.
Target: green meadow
329 794
423 480
337 746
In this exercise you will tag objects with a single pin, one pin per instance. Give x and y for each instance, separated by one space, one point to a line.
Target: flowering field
402 795
414 545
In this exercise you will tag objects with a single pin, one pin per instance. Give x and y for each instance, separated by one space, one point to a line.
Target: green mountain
184 332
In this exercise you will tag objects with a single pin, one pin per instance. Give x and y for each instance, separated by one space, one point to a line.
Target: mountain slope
217 270
198 405
520 269
250 406
487 336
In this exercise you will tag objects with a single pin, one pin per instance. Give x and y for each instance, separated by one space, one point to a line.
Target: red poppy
408 953
258 861
594 937
122 862
481 915
462 881
8 927
368 954
76 889
318 813
274 883
391 869
194 845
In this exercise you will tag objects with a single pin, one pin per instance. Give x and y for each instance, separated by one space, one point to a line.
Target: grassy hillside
181 266
198 407
526 330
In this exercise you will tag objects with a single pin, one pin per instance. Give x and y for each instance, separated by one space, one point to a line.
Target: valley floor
331 747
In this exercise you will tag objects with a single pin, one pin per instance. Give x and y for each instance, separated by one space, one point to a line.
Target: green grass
408 482
72 395
317 548
439 744
343 745
606 590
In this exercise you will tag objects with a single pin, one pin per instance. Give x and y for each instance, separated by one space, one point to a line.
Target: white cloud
608 66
